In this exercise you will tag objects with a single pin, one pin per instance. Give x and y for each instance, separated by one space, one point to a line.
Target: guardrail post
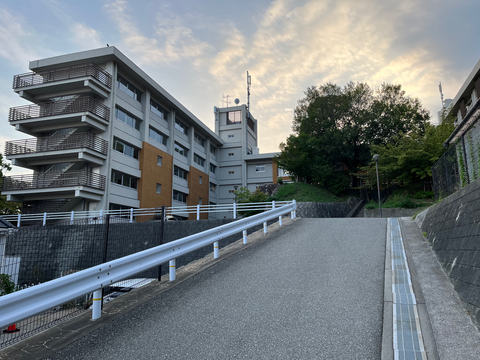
295 211
71 218
291 214
280 220
234 210
131 215
264 227
273 204
215 250
244 236
198 212
172 270
44 218
97 304
19 219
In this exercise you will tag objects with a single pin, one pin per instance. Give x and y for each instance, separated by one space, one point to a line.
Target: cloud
15 39
86 37
172 41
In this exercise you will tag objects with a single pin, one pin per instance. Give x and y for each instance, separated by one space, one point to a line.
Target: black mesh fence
445 174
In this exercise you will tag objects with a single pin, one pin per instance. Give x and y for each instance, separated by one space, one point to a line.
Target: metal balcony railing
60 107
54 180
57 142
23 81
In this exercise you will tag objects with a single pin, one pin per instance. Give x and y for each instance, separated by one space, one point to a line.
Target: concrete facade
116 140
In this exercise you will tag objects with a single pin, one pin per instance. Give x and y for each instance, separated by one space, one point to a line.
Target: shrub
337 183
7 286
371 205
424 195
280 181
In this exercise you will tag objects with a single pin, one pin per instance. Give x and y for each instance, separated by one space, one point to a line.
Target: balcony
54 115
78 147
54 185
82 78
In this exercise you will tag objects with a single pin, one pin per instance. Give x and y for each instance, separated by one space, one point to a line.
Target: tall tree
342 123
6 207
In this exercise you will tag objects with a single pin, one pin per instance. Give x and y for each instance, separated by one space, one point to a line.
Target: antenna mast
441 94
225 101
249 82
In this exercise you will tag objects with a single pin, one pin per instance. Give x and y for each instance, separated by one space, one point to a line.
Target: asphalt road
315 291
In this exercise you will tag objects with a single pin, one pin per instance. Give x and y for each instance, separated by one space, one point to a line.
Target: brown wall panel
153 174
198 190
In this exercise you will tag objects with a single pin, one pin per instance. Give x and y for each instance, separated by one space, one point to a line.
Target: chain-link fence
459 166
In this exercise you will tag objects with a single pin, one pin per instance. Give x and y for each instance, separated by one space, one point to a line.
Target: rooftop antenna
441 94
249 83
225 101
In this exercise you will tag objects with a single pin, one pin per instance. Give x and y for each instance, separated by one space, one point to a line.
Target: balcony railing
23 81
60 107
54 180
57 142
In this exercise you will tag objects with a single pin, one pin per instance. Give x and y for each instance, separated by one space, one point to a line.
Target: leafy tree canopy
335 126
6 207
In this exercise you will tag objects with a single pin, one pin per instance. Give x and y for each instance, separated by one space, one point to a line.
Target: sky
200 51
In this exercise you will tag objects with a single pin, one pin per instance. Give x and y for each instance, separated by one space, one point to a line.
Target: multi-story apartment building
107 136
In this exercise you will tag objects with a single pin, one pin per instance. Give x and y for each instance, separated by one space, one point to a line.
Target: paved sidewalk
454 334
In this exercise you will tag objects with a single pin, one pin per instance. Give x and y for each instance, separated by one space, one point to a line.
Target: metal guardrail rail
60 107
26 80
131 214
56 142
25 303
54 180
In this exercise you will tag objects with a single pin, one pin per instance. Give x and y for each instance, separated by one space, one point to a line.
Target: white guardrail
131 214
28 302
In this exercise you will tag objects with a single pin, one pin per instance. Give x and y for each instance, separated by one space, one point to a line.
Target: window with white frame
128 88
158 136
213 150
213 187
234 117
123 179
159 188
199 140
180 172
159 160
260 168
180 126
181 150
158 110
213 168
124 148
179 196
127 118
200 161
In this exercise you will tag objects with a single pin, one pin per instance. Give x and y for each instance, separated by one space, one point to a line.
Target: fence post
465 157
294 211
162 225
19 219
198 212
172 270
244 236
131 215
44 218
97 304
71 218
273 204
105 249
264 227
215 250
234 210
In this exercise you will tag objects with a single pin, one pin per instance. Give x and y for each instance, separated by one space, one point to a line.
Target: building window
230 136
281 172
251 124
231 154
213 168
180 172
128 88
179 196
158 110
213 187
198 160
199 179
127 118
159 160
260 168
124 148
181 150
199 140
234 117
199 201
159 188
231 172
123 179
181 127
158 136
213 150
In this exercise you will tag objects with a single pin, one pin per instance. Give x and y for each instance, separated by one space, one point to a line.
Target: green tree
335 126
245 196
6 207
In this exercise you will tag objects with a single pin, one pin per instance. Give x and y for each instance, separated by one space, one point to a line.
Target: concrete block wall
324 210
453 228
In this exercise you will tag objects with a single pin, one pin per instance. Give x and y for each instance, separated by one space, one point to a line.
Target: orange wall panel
198 190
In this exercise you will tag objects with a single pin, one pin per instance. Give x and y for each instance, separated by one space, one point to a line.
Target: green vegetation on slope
305 193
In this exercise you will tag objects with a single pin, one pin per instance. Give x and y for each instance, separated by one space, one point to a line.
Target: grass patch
306 193
397 200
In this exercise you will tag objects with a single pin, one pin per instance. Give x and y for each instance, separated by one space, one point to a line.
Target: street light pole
376 157
235 205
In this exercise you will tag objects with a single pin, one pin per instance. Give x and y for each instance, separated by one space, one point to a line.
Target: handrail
60 107
56 142
25 303
131 214
54 180
22 81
